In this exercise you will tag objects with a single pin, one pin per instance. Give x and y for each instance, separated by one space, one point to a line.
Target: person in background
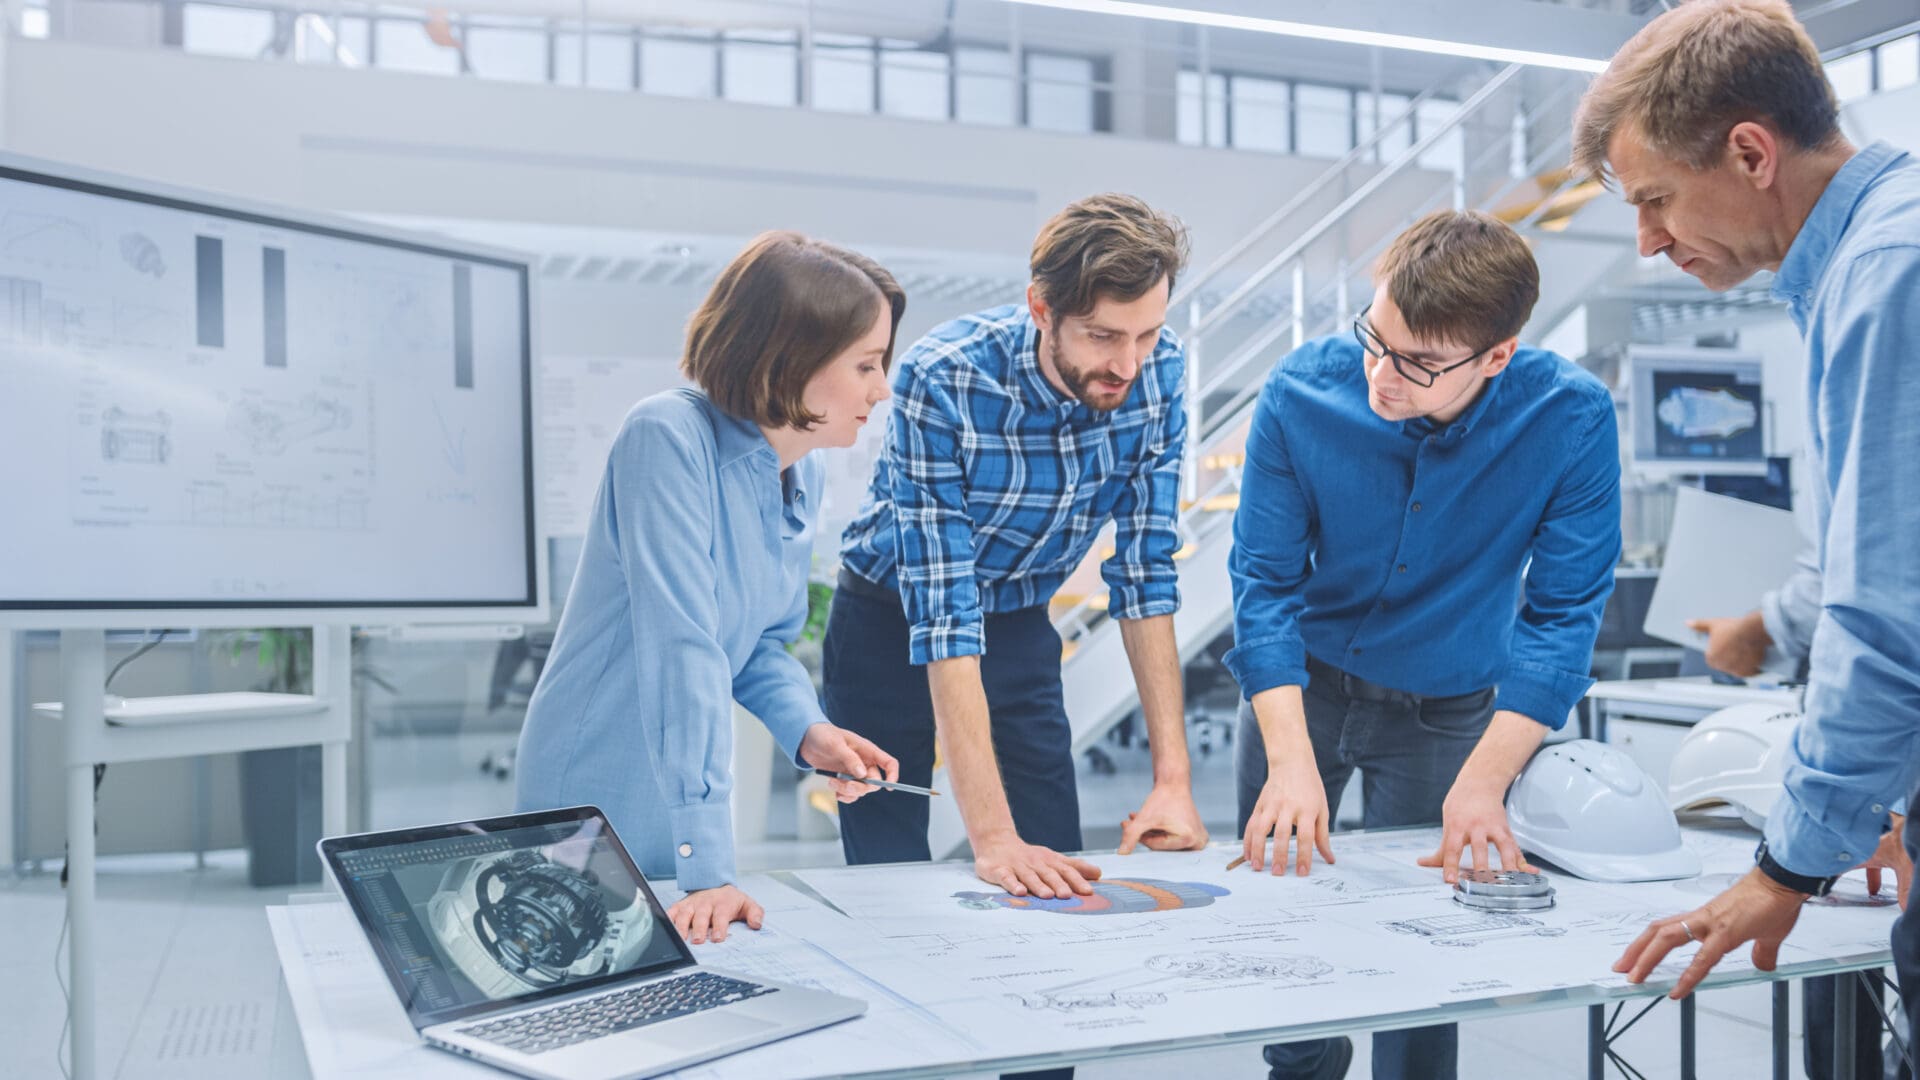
693 574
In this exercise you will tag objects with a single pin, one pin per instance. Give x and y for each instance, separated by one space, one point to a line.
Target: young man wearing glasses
1428 525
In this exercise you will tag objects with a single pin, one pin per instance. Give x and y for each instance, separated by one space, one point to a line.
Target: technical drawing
134 438
142 254
213 503
1691 412
49 240
145 327
19 311
1068 1001
271 428
1850 892
1707 884
1468 929
1216 966
1118 896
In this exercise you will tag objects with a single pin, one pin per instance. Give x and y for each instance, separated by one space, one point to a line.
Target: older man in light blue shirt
1719 125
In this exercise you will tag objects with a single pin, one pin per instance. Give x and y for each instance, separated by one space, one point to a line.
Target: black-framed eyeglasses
1410 369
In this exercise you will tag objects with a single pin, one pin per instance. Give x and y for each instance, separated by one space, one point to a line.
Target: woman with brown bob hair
693 574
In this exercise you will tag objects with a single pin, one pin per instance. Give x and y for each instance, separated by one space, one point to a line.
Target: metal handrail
1361 194
1320 183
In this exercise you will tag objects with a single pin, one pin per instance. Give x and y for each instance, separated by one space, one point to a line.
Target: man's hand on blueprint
1021 868
1474 816
1167 821
706 913
1756 909
1293 805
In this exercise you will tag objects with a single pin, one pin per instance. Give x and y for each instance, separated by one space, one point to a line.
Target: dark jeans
871 689
1816 1004
1906 932
1408 749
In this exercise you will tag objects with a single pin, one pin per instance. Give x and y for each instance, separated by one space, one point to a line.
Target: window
608 60
1390 107
35 22
760 68
1188 114
1852 76
1900 62
1261 117
1323 118
843 73
225 31
325 39
913 81
506 48
1449 154
403 45
678 66
983 86
1060 93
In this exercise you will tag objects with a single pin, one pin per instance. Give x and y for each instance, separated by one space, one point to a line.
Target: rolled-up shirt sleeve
938 592
1273 533
1569 577
1141 576
1854 752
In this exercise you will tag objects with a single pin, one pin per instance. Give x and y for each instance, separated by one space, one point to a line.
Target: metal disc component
1503 890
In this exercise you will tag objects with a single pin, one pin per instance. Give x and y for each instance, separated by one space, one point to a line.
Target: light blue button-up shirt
692 578
1852 283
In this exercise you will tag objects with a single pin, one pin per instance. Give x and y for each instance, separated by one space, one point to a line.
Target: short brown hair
780 310
1690 75
1105 245
1461 277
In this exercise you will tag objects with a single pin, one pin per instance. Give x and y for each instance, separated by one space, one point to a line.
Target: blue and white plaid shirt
992 485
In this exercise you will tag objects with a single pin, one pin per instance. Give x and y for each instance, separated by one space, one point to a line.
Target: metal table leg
1596 1042
1843 1034
1782 1065
1687 1038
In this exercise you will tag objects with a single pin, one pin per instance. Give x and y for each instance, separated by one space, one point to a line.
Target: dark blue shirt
1435 560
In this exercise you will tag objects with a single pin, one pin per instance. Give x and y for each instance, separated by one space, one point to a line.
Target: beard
1080 383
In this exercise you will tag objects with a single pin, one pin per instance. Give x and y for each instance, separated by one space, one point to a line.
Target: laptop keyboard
576 1022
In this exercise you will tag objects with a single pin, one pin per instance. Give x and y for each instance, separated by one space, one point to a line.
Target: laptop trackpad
716 1027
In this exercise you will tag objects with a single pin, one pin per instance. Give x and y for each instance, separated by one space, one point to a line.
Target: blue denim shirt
992 485
1396 551
693 575
1851 280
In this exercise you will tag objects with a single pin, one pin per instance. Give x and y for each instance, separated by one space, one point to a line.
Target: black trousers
871 689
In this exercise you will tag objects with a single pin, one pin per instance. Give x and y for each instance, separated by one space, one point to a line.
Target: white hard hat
1592 811
1736 757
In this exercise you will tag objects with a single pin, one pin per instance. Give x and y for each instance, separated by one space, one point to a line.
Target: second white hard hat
1592 811
1736 757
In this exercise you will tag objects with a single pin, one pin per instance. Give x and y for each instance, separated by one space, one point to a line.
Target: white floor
192 990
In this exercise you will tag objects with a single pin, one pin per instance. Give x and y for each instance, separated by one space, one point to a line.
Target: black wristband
1812 886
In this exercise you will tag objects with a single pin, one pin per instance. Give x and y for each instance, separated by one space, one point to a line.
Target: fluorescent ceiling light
1261 25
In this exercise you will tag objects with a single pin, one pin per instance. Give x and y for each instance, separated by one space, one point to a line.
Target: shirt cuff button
1879 809
686 851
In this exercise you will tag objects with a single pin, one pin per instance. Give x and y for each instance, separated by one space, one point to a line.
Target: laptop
531 942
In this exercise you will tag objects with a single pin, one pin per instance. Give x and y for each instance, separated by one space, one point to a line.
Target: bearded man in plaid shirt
1016 434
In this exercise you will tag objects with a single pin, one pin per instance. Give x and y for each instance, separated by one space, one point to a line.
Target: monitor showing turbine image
215 409
1696 411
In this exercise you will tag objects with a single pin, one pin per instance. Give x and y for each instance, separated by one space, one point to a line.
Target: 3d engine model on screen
521 921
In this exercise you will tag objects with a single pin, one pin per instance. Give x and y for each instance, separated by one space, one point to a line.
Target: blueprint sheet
1173 946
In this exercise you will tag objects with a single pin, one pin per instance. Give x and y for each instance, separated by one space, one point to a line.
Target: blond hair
1690 75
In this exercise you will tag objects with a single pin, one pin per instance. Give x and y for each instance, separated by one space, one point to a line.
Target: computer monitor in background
1696 412
220 413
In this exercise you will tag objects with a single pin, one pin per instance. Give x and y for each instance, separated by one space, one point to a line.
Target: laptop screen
467 916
